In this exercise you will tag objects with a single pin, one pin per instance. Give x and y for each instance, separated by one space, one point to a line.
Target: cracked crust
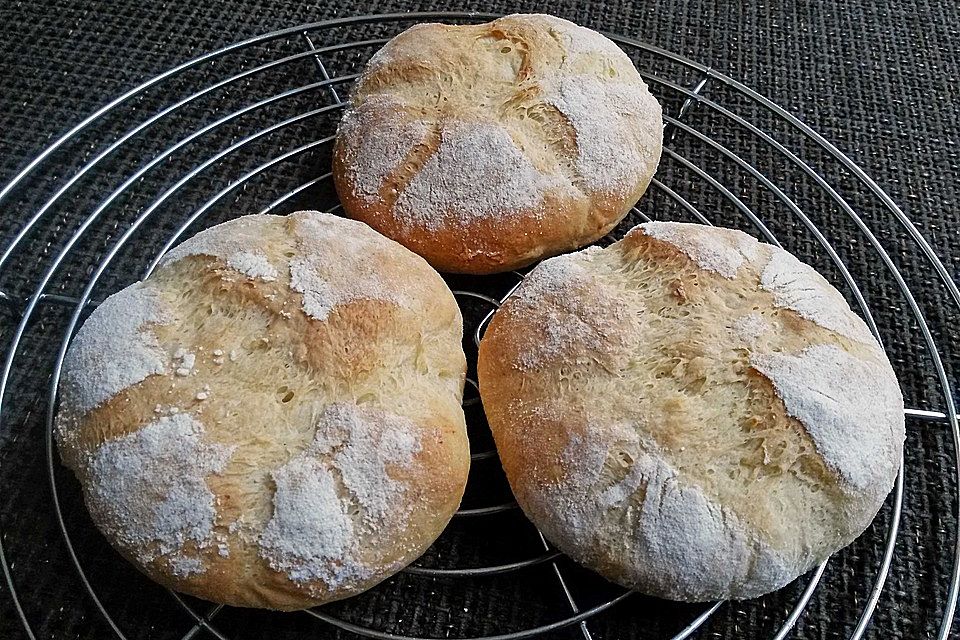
671 422
581 139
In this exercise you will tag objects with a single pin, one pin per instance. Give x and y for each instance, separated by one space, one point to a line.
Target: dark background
878 79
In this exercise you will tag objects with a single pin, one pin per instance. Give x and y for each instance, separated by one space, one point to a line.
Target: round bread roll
272 418
690 412
486 147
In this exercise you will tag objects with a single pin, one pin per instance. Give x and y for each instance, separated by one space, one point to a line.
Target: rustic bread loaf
486 147
690 412
272 418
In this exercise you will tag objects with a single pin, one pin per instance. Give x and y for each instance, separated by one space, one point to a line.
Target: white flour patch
316 526
236 242
326 285
253 265
310 535
183 566
579 41
751 326
363 442
147 490
676 535
114 349
337 265
852 409
185 361
798 287
617 128
378 136
719 250
571 325
477 172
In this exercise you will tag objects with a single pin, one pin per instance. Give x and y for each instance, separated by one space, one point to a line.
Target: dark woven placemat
876 79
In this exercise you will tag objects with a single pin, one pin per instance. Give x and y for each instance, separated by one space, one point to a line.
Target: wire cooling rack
248 128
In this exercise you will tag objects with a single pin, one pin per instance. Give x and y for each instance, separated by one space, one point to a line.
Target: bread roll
487 147
690 412
272 418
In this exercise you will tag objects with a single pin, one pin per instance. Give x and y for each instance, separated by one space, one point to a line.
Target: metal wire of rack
335 63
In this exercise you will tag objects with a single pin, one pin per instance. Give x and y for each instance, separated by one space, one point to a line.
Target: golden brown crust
560 167
262 375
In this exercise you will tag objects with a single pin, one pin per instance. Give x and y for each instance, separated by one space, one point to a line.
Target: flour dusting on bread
798 287
751 326
846 404
577 40
607 116
549 298
680 536
363 443
478 171
397 133
148 490
722 251
337 490
239 249
718 455
532 133
606 109
327 270
114 349
310 536
325 287
252 264
331 454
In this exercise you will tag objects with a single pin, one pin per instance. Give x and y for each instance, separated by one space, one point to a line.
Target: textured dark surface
875 78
